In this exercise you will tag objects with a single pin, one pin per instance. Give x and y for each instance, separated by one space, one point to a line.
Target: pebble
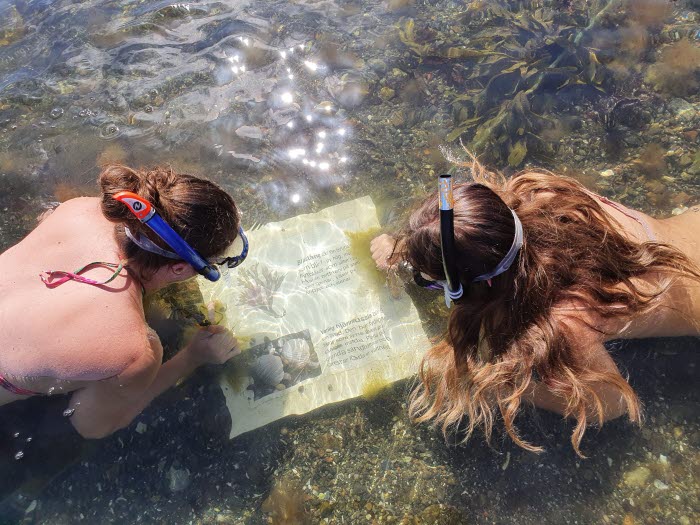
178 479
637 477
141 427
686 159
607 173
691 135
250 132
660 484
386 93
683 109
679 210
376 65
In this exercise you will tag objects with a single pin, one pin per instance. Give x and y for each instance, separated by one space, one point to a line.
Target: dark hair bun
114 179
154 185
197 209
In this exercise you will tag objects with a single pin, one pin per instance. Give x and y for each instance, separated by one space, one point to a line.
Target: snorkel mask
452 285
146 213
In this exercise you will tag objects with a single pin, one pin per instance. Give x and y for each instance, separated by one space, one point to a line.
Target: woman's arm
598 360
106 406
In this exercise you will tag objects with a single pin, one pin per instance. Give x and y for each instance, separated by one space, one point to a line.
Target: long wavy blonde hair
500 338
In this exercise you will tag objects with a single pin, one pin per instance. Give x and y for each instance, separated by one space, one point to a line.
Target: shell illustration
296 353
268 370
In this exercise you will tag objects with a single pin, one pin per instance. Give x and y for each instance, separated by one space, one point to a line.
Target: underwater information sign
314 318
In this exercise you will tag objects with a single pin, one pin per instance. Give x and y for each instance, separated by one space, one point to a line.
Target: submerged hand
213 345
382 247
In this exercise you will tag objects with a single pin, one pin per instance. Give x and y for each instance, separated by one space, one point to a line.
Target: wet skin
677 315
90 340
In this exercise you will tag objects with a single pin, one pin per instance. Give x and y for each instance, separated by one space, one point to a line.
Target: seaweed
676 71
513 69
651 162
284 504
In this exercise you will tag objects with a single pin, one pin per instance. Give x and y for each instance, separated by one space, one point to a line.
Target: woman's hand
382 247
213 345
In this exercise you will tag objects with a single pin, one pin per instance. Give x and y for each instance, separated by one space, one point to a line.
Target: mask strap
510 256
148 245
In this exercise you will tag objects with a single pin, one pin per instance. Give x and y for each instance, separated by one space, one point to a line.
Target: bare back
679 312
74 333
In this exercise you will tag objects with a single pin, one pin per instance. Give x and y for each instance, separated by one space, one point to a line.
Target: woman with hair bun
547 271
84 331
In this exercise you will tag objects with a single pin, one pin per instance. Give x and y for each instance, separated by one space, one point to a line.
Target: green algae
360 250
374 383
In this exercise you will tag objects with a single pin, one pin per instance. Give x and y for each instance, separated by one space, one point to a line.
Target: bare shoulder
143 360
77 207
128 346
71 215
79 203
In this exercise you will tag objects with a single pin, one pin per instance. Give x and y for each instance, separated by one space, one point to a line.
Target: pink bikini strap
4 383
626 211
53 278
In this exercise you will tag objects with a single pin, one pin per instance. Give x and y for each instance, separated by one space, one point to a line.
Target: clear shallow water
371 89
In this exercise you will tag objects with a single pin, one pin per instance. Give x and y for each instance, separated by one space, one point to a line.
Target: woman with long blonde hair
549 271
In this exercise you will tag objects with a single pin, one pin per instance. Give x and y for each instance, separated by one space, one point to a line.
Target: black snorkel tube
453 287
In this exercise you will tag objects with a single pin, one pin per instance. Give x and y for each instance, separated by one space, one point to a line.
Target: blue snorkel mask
452 285
146 213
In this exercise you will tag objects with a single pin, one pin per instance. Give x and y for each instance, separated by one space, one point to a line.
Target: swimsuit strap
632 214
4 383
61 276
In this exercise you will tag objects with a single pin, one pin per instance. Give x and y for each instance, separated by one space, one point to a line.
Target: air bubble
68 412
19 455
56 113
109 131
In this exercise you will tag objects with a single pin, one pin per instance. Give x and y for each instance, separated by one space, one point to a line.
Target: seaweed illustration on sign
515 66
260 285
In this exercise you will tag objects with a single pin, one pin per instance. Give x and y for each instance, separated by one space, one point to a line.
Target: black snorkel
453 290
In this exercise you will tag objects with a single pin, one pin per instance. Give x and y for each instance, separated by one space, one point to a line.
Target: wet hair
501 339
197 209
